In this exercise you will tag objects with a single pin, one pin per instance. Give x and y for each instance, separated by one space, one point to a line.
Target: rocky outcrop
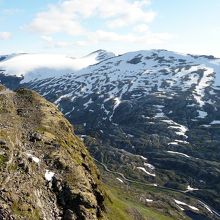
46 171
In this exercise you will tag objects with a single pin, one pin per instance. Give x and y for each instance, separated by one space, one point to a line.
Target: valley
150 117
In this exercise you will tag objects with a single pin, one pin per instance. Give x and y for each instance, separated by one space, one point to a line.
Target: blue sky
78 27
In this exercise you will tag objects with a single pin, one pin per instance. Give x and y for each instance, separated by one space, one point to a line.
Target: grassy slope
127 201
118 206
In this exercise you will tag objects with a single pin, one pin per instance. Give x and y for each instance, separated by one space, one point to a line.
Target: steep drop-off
45 170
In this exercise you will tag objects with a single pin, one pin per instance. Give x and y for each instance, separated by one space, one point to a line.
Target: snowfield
42 66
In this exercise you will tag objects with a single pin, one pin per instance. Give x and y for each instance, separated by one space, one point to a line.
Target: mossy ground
3 159
121 206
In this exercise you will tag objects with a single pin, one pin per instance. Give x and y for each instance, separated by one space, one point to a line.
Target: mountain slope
40 66
46 172
151 115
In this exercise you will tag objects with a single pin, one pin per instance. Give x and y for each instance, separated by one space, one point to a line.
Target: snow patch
49 175
130 135
189 188
181 129
120 180
117 102
178 153
62 97
35 159
203 83
207 207
215 122
206 126
142 157
182 142
173 143
202 114
149 166
149 200
86 105
184 204
144 170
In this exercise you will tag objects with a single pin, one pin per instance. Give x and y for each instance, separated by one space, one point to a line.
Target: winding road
206 206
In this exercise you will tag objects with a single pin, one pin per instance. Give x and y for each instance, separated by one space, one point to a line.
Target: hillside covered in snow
40 66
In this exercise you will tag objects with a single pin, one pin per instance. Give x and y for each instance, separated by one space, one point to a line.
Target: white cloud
100 36
67 15
5 35
56 21
91 22
50 42
130 15
141 28
145 38
48 39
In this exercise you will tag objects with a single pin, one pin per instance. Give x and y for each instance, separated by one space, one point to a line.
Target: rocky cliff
45 170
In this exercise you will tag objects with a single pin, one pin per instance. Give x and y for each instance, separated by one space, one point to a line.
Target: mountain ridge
46 171
157 104
39 66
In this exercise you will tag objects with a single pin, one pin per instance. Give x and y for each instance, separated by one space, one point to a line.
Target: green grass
32 214
126 201
3 159
118 205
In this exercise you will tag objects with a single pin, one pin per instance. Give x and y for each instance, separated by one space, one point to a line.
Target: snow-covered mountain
151 115
133 75
40 66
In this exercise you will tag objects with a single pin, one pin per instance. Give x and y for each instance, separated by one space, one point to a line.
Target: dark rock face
46 171
35 137
12 82
2 58
5 215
